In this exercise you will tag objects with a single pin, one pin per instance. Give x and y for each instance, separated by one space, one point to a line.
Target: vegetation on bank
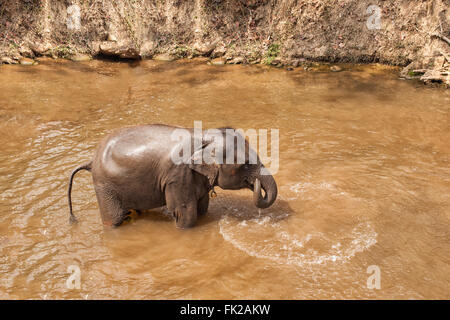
410 34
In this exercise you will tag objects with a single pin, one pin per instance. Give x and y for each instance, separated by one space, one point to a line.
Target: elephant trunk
268 184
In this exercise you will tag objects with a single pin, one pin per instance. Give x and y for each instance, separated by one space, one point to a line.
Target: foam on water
286 238
301 189
267 239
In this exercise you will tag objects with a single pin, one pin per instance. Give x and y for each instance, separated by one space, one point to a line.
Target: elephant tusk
257 186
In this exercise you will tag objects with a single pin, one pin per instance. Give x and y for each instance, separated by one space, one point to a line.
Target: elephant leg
182 206
202 204
111 209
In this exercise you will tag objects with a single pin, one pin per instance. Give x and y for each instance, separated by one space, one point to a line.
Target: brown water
364 180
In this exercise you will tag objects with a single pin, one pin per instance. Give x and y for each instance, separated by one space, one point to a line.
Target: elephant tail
87 167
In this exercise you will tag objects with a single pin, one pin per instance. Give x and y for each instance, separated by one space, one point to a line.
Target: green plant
182 51
411 73
272 53
64 52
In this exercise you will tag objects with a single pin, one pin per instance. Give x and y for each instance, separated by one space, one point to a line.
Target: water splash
266 239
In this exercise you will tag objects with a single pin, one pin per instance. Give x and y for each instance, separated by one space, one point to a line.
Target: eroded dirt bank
414 34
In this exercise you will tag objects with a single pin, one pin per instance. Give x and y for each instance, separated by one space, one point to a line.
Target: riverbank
290 34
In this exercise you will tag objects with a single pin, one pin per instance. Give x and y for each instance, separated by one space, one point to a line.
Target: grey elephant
133 168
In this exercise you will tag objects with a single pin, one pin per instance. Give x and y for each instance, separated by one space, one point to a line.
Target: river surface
364 185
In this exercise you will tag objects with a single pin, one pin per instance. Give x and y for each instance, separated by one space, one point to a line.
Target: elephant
133 169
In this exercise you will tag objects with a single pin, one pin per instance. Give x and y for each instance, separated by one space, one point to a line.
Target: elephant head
245 169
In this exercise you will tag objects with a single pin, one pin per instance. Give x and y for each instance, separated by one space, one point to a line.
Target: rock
335 68
95 48
205 49
255 61
8 60
41 49
432 76
147 49
27 62
218 62
237 60
80 57
276 62
163 57
218 52
112 37
26 52
114 49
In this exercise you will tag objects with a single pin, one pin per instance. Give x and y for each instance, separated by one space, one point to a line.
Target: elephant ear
198 164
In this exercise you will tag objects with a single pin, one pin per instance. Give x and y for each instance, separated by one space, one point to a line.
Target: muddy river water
364 183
